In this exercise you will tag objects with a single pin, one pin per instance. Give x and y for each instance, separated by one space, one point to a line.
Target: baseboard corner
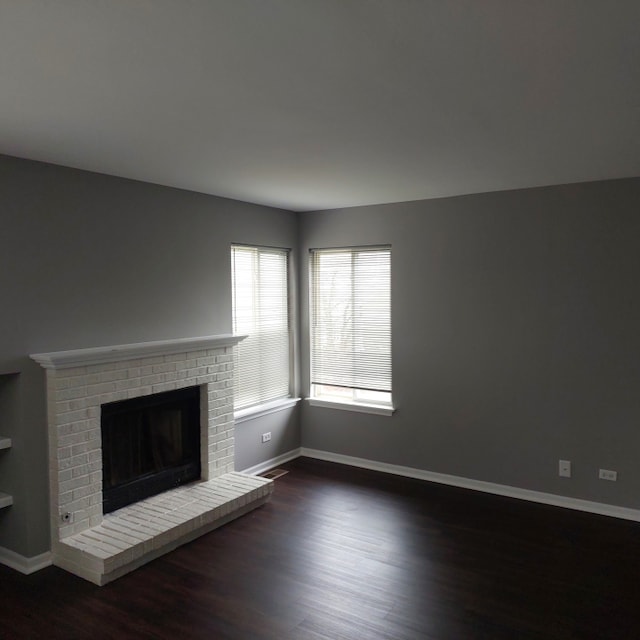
261 467
24 564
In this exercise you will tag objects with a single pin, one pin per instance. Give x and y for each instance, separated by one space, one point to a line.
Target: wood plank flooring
348 554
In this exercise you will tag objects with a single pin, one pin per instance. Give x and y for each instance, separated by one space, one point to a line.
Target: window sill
264 409
361 407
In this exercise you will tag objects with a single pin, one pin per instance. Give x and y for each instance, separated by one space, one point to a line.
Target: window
351 326
261 311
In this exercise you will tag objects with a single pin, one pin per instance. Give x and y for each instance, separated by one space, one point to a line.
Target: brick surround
78 383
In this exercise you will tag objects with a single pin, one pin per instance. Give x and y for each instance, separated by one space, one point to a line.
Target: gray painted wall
89 260
516 337
515 322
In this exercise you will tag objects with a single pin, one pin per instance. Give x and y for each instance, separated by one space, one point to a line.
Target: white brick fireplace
102 547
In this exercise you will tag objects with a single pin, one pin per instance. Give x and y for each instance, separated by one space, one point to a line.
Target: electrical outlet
608 474
66 518
564 468
266 436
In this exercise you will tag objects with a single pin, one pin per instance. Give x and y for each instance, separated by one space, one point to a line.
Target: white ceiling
314 104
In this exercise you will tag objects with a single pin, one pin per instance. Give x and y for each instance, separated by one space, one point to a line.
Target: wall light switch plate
608 474
564 468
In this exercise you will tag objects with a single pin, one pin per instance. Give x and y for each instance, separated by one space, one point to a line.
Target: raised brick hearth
101 548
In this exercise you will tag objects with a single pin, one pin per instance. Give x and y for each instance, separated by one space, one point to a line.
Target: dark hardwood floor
341 554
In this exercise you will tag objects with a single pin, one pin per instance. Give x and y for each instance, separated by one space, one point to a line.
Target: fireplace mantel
123 352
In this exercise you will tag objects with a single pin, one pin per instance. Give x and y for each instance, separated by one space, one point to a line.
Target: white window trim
264 409
267 406
384 409
345 405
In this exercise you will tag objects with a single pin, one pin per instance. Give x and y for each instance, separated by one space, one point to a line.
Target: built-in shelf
5 499
7 420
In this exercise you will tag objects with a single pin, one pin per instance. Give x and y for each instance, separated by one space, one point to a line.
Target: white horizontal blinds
351 318
261 311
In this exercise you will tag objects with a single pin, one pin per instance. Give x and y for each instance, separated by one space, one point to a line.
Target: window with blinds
261 311
351 324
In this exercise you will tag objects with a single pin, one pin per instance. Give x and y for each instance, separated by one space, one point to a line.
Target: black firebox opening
149 445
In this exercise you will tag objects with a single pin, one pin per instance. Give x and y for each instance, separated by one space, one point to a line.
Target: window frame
265 405
349 398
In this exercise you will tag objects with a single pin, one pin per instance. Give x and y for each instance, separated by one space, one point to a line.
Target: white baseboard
22 563
273 462
478 485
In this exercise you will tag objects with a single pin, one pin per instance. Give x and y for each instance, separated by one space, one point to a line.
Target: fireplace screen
149 445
